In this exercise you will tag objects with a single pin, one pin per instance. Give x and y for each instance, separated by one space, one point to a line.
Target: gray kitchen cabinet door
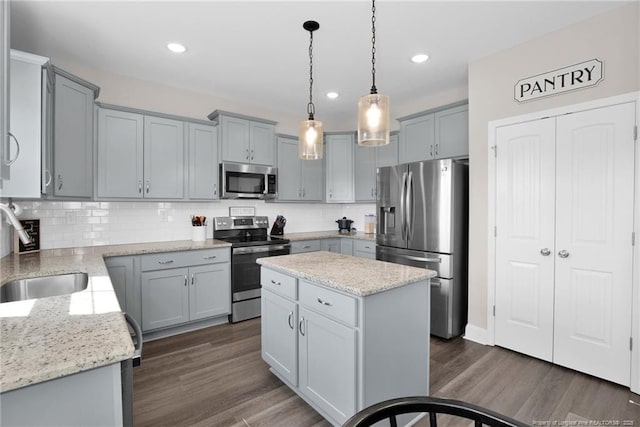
203 162
163 158
210 291
452 132
330 245
387 155
417 139
5 14
72 139
301 246
289 185
339 152
121 274
364 249
312 180
120 154
328 365
365 173
46 171
262 140
346 246
280 335
236 136
165 298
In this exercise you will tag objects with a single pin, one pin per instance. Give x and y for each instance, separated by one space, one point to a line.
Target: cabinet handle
330 194
563 254
148 187
327 303
251 154
139 187
169 261
290 320
367 247
215 189
545 252
185 280
306 247
300 327
275 283
60 181
210 257
431 150
247 156
10 162
436 149
303 192
193 279
46 172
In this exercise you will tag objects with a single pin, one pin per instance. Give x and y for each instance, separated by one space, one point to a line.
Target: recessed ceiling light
419 58
332 95
176 47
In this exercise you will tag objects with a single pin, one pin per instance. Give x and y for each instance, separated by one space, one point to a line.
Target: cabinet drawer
161 261
330 303
364 246
305 246
279 283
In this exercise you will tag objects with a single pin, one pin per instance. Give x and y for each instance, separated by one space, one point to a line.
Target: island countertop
353 275
47 338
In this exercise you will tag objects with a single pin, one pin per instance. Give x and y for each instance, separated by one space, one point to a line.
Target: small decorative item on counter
278 226
199 228
369 224
32 227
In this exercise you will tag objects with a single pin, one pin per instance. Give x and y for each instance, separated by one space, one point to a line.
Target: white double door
564 217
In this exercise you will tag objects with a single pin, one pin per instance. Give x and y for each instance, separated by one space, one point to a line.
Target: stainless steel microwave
242 181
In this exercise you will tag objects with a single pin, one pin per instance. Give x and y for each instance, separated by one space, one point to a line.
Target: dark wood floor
215 377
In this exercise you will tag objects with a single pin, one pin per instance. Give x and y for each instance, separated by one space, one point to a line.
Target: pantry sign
578 76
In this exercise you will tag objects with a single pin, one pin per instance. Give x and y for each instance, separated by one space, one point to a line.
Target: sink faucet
10 211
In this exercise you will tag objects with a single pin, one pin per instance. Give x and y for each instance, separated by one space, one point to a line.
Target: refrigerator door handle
403 198
409 205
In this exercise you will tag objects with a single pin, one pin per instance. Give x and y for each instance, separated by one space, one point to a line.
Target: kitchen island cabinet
323 312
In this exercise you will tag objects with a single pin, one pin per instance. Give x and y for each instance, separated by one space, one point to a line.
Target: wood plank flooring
216 377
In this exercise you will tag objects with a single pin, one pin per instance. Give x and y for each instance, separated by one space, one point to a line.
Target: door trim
489 336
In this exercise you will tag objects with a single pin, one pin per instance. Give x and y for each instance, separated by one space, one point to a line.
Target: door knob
563 254
545 252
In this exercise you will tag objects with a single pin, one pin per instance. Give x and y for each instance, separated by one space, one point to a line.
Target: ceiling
256 53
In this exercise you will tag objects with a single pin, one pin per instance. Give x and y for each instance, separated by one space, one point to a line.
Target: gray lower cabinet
72 137
203 162
330 245
364 249
346 246
302 246
339 153
298 180
140 156
125 280
334 348
179 287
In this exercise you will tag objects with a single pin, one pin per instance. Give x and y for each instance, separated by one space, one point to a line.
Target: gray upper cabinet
4 88
339 152
245 139
368 159
203 162
73 137
140 156
120 152
452 132
436 134
298 180
163 158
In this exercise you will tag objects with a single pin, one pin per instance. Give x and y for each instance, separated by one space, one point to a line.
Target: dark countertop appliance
249 241
344 225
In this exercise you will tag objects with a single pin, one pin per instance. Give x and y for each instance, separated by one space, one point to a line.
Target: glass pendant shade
310 139
373 120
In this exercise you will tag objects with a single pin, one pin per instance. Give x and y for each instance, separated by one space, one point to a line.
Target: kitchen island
345 332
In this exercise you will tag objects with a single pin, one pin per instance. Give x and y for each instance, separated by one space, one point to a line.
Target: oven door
245 271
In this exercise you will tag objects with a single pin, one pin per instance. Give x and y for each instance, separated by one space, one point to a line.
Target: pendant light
310 139
373 109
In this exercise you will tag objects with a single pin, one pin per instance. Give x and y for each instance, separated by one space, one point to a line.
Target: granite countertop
47 338
353 275
312 235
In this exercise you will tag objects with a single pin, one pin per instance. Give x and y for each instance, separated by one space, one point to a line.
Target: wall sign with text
578 76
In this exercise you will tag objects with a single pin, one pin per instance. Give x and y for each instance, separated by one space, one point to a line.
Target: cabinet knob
545 251
563 254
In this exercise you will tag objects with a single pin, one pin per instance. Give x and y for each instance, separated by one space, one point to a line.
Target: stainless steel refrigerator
422 210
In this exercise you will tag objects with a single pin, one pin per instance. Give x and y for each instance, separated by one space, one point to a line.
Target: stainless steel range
249 241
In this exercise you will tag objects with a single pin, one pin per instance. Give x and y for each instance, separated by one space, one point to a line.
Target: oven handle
258 249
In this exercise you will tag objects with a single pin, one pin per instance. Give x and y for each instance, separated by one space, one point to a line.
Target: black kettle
344 225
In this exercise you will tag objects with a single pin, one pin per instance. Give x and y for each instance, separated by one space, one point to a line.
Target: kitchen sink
45 286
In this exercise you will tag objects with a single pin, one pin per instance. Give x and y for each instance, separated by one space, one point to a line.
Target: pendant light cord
373 47
311 109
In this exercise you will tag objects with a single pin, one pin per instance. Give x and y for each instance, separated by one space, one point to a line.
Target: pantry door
525 220
594 224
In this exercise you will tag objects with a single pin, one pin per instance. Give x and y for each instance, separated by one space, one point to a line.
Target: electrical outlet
70 218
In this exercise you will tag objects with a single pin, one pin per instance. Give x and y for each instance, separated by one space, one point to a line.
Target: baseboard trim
476 334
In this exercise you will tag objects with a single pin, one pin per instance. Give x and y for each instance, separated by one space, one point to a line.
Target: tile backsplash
76 224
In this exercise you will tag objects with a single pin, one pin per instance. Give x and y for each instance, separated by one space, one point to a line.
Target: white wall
612 37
